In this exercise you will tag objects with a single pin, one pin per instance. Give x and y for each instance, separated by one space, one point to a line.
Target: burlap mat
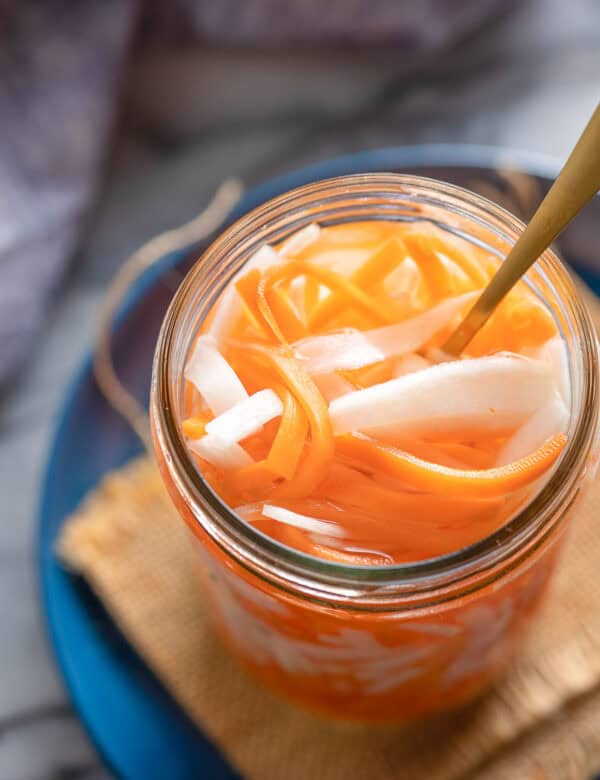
541 721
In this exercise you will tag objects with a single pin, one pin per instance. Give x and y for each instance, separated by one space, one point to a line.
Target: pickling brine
317 405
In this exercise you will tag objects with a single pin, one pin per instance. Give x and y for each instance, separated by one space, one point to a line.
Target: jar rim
289 568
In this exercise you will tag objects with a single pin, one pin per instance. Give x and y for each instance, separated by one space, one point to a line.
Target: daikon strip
554 352
352 349
489 393
312 524
408 364
550 419
342 351
213 377
303 238
333 385
247 417
228 307
404 278
221 453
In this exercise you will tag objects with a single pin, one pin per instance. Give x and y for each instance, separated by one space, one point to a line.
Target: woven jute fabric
541 721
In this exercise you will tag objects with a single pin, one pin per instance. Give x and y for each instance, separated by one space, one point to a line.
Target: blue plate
138 729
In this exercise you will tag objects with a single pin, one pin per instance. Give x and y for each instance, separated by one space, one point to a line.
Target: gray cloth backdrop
60 66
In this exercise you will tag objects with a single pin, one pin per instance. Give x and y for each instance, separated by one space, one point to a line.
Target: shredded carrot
194 427
370 375
270 308
440 280
321 450
463 259
434 478
288 444
472 457
353 294
312 289
432 452
247 287
373 270
349 487
279 312
251 483
253 370
520 321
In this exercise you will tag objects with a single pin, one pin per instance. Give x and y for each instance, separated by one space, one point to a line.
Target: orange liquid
391 665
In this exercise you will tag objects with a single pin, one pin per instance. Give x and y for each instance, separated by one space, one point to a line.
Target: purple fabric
413 24
60 63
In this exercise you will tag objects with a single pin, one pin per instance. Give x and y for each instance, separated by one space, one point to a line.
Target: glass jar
385 643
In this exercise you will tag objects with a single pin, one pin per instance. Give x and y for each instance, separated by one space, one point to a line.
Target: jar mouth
264 555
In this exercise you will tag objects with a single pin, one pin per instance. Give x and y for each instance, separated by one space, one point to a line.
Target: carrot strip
462 259
434 478
270 308
353 294
279 312
251 483
312 288
288 444
194 427
255 373
440 281
247 286
370 375
382 262
314 467
520 321
349 488
472 457
433 453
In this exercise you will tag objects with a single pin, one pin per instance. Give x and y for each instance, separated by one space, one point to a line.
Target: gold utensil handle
577 183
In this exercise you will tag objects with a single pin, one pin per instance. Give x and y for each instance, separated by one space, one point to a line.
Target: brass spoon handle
577 183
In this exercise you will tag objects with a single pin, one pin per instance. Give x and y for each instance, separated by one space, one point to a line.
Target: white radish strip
345 350
312 524
228 307
456 272
297 292
408 364
554 352
489 393
550 419
405 279
351 349
221 453
410 335
247 417
213 377
300 240
333 386
344 260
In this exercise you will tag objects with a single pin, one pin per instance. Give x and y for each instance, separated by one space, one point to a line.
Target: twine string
197 229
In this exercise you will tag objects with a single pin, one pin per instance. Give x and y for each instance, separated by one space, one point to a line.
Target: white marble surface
528 82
